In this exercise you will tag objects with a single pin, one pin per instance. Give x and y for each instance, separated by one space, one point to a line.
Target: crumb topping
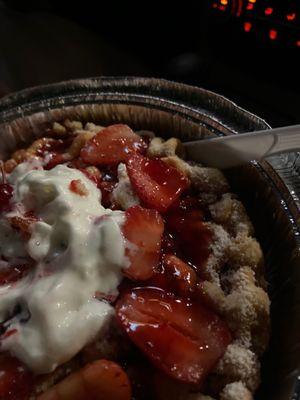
235 391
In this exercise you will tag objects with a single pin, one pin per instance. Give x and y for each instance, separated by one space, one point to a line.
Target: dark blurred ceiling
194 42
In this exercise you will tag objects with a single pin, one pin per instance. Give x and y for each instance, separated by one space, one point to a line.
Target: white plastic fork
233 150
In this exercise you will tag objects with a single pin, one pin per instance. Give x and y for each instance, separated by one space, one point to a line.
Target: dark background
234 47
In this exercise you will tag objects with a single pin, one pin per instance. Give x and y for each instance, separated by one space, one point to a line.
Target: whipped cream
78 250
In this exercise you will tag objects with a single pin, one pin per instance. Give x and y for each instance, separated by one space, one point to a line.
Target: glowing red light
247 26
273 34
298 43
222 8
268 11
250 6
291 16
215 5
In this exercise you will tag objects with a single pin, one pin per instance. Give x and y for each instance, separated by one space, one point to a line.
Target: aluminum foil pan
173 109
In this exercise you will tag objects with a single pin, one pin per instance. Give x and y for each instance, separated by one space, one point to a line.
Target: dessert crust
236 292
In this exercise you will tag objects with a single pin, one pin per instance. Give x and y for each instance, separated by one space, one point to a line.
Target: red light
215 5
250 6
298 43
291 16
222 8
247 26
273 34
268 11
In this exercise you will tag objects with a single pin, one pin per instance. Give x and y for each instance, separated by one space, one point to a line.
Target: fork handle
285 139
232 150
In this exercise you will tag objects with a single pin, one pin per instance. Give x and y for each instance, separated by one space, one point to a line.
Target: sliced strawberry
99 380
175 276
15 381
23 224
157 184
143 229
77 186
192 235
54 160
182 338
112 145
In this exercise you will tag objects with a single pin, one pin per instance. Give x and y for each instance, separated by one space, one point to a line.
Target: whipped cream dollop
78 251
